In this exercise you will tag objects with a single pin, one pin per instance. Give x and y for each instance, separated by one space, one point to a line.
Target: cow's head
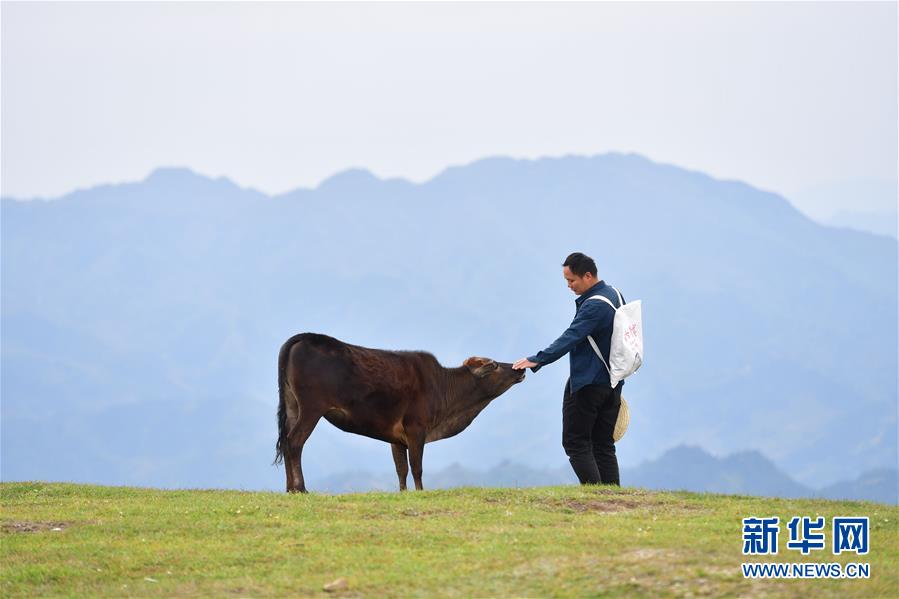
491 377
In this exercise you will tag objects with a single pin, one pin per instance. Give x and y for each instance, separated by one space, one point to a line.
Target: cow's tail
281 445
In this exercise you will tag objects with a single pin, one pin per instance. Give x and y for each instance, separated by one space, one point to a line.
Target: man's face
578 284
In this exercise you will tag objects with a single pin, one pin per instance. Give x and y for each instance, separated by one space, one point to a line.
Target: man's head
580 272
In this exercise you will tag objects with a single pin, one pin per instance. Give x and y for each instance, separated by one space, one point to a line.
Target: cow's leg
288 468
401 461
295 441
416 450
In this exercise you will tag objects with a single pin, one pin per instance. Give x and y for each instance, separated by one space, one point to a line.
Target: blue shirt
592 318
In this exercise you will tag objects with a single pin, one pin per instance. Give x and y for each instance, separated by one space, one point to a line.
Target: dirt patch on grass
15 527
601 505
409 513
593 505
616 490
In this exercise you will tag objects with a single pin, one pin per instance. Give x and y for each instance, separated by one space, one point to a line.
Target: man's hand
523 363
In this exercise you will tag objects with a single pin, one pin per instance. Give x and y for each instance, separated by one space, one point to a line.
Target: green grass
551 541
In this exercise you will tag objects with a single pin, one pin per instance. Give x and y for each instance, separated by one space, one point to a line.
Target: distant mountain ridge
680 468
143 319
881 223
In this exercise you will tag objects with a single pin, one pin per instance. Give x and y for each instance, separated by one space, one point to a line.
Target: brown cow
404 398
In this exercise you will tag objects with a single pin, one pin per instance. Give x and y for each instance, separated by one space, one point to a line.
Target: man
590 405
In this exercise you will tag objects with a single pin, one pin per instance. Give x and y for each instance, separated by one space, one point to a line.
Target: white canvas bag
626 351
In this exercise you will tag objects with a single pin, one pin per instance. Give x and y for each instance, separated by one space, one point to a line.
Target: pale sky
784 96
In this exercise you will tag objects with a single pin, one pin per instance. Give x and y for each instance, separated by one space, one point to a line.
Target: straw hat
624 418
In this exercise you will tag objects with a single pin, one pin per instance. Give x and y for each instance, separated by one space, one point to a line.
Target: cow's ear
477 366
474 362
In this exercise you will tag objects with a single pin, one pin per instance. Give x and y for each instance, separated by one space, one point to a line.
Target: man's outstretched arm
589 317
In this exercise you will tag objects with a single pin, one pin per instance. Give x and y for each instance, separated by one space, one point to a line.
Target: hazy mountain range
682 467
882 223
141 322
873 206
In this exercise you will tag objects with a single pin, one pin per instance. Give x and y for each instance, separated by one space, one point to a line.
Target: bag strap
590 338
620 299
599 353
605 299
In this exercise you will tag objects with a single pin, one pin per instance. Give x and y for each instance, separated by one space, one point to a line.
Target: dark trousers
588 420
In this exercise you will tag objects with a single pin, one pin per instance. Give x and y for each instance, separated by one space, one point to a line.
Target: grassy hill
79 540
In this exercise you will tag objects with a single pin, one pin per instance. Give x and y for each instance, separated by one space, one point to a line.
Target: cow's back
316 360
351 372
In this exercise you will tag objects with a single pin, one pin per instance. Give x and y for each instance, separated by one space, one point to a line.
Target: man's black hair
579 264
